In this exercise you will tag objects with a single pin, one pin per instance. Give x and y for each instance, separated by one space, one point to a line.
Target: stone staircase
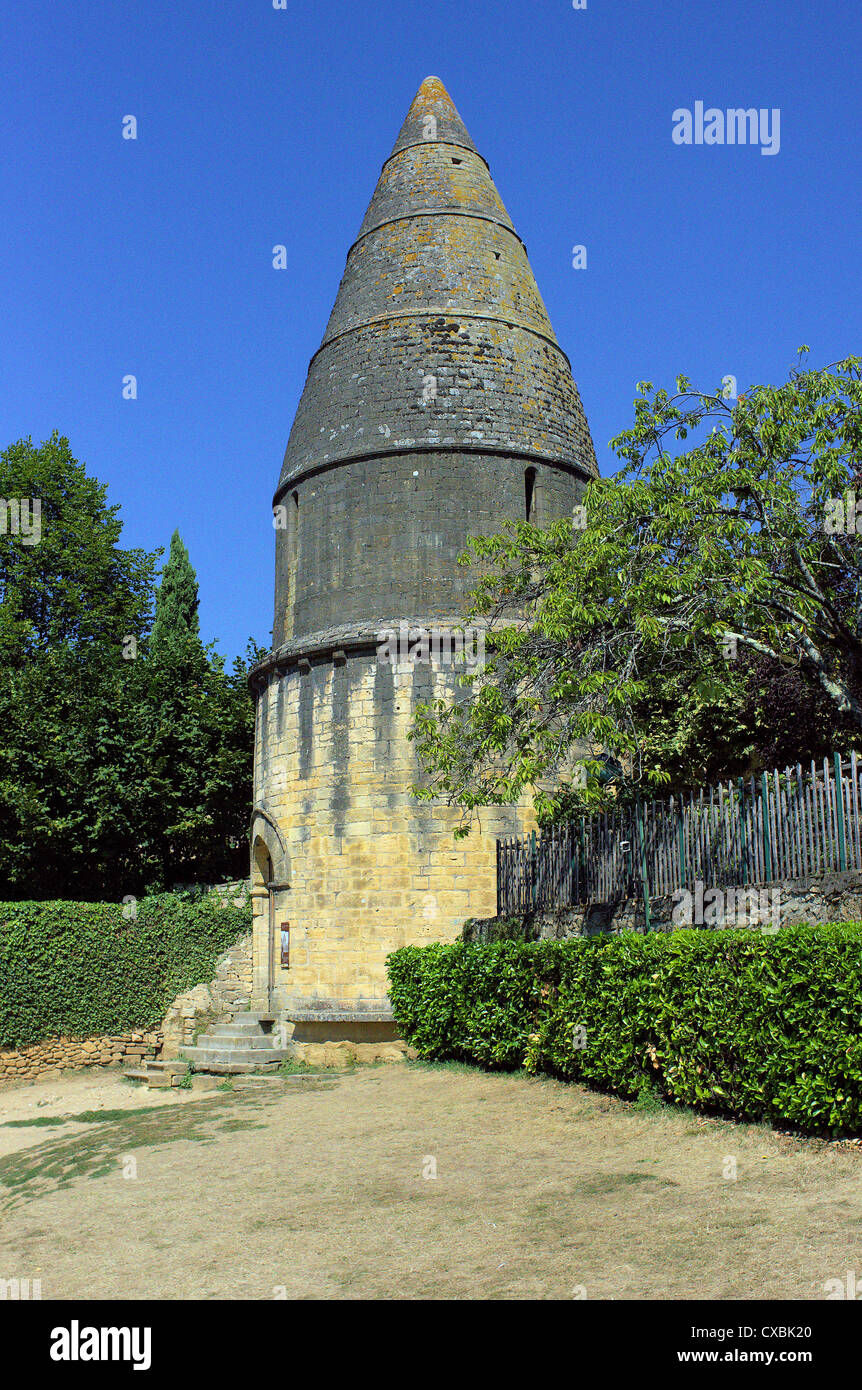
245 1045
158 1075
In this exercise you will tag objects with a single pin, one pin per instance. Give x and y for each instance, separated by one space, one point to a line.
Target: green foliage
125 759
289 1067
759 1027
620 639
175 772
82 969
76 587
648 1099
176 628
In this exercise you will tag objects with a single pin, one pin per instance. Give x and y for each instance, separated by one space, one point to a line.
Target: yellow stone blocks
367 867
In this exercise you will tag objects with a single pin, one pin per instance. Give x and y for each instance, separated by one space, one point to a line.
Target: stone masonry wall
438 262
401 524
228 993
499 385
369 867
231 894
64 1054
828 898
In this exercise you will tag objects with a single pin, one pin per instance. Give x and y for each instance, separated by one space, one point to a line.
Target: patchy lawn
322 1187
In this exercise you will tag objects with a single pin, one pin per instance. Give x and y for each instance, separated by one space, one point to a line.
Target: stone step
242 1023
203 1081
211 1057
158 1075
224 1032
253 1082
246 1041
234 1068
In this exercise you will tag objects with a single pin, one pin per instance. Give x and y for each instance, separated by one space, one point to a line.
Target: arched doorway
269 879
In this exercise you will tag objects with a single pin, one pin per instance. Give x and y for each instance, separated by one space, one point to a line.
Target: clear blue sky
259 126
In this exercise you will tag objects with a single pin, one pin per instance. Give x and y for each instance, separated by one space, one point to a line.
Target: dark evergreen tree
176 628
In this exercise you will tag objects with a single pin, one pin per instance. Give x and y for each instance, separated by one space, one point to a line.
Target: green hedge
81 968
754 1026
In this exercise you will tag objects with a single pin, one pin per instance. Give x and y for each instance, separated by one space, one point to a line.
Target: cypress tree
176 628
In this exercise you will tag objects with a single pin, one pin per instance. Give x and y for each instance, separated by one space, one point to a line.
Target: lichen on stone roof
437 284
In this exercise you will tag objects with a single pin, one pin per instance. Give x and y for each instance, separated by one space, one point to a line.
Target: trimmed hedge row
82 969
759 1027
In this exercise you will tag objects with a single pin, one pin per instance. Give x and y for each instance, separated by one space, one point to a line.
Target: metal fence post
767 847
533 884
839 810
644 880
681 815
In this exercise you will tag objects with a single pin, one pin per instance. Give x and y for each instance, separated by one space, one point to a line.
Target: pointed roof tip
433 97
433 118
437 252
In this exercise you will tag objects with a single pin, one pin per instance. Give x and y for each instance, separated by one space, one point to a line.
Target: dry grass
316 1188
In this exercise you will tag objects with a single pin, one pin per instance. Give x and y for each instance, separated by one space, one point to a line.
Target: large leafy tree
125 757
70 585
70 596
631 638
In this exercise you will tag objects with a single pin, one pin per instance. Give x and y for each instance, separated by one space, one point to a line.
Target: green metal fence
780 825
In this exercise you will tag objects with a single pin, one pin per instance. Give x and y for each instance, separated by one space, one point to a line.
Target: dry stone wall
228 993
827 898
70 1054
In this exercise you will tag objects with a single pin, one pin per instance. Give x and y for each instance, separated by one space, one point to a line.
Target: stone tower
438 405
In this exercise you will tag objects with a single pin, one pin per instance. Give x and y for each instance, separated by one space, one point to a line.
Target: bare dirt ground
321 1187
28 1110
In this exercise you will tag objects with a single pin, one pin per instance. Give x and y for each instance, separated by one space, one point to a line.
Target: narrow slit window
530 494
294 527
292 552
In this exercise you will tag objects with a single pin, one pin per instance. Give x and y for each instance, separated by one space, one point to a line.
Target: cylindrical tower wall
380 538
369 868
438 406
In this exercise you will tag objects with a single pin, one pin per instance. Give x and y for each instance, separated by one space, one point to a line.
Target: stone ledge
832 896
352 639
338 1016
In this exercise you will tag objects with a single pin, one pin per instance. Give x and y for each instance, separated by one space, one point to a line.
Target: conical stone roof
437 288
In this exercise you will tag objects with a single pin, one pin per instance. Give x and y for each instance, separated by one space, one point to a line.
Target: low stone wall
217 1001
827 898
234 893
70 1054
228 993
349 1054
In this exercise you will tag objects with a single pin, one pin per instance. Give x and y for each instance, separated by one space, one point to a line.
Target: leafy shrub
756 1026
81 968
